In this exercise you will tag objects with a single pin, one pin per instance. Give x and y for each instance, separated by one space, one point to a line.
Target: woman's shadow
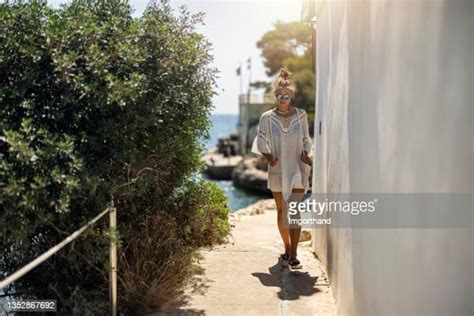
292 284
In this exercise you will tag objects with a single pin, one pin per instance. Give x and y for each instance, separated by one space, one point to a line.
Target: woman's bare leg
284 233
297 195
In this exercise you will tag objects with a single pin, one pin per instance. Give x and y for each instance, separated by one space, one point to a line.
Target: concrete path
244 277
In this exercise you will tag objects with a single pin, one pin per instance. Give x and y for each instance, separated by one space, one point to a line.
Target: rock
258 207
219 167
246 175
307 244
305 235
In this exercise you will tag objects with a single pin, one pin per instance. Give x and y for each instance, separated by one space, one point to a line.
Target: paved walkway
244 277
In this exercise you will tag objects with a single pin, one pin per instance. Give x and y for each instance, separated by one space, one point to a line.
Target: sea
223 125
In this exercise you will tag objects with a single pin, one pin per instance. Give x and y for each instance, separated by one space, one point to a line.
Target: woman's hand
272 161
305 158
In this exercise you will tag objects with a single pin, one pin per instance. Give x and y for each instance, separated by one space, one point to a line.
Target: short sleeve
262 142
307 143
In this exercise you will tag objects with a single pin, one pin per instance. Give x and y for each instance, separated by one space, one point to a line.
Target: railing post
113 261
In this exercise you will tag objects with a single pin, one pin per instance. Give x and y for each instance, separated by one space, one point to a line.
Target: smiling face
284 91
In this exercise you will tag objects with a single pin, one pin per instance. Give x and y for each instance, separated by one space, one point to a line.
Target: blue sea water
223 125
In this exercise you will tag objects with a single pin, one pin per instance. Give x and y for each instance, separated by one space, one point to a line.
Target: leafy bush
161 250
95 104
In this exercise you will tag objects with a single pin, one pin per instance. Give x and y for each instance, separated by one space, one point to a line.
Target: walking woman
283 139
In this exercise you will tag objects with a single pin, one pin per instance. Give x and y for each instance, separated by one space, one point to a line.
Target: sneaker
294 263
285 256
284 259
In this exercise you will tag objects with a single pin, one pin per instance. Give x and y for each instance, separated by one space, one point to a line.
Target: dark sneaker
294 263
284 257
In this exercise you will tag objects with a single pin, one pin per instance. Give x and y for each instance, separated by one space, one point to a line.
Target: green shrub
161 250
95 104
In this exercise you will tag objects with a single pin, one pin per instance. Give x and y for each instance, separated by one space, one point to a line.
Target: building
251 106
394 112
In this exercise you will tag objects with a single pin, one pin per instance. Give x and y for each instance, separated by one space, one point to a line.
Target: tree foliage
96 104
289 45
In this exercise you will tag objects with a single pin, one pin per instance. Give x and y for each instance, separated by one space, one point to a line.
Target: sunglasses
282 96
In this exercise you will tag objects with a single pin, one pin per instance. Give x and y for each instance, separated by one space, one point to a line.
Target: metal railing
112 256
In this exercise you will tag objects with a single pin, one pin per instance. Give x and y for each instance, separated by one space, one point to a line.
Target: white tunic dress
285 138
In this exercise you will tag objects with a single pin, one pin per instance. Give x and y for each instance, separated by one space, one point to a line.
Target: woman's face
283 92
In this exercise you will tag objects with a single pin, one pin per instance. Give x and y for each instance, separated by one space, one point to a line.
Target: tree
95 104
289 45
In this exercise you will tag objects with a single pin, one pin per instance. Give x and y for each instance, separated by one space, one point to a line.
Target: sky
233 27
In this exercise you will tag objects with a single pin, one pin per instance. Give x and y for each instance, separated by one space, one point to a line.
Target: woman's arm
263 140
272 161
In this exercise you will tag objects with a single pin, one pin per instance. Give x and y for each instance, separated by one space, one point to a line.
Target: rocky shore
251 174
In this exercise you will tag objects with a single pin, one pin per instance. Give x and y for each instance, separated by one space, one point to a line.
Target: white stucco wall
395 100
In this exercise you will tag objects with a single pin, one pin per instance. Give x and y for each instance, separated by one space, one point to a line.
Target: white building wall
395 101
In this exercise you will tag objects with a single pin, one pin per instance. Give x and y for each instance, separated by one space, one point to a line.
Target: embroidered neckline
286 123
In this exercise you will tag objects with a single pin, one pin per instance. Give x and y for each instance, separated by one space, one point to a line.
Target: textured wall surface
395 102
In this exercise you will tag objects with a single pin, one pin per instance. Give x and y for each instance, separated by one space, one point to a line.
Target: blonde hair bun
283 81
285 73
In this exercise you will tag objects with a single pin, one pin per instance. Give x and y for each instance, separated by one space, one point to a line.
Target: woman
283 139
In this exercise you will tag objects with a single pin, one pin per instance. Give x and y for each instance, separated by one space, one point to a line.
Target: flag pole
249 67
241 84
